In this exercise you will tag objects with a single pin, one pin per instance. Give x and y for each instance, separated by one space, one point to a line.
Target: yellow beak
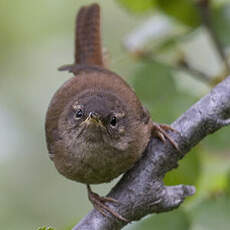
93 118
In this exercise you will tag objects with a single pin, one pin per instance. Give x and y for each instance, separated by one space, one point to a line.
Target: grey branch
141 190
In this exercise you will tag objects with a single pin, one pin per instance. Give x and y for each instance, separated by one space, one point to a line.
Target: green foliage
219 140
215 171
148 81
46 228
182 10
177 220
212 214
137 6
222 23
188 171
227 189
155 86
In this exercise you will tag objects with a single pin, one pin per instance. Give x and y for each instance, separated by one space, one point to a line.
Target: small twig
206 16
181 65
185 66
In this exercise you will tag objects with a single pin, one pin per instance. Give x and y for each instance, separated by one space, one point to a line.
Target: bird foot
98 203
159 130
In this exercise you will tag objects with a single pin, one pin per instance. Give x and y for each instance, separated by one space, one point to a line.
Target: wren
96 127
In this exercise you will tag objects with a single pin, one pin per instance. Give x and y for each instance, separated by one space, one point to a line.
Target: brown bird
96 127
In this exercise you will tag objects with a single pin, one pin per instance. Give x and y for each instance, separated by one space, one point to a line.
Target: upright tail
88 49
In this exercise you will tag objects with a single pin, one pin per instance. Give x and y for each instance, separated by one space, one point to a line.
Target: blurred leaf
218 140
221 20
168 43
46 228
153 79
228 184
70 227
25 21
154 84
215 168
212 214
182 10
188 171
155 87
177 220
137 6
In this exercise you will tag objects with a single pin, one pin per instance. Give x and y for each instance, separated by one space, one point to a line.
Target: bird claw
98 203
159 130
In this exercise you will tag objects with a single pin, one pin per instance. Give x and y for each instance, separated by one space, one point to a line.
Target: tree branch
141 190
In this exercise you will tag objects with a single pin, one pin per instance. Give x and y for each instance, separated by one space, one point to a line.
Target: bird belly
94 163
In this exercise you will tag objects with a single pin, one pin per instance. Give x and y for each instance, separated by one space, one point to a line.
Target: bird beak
93 118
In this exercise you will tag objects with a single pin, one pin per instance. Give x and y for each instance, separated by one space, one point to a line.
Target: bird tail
88 49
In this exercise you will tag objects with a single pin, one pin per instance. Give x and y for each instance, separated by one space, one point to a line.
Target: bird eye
113 121
78 114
